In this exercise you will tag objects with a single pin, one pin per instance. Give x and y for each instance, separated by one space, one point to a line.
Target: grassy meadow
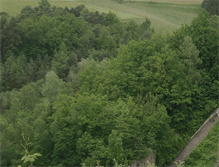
165 15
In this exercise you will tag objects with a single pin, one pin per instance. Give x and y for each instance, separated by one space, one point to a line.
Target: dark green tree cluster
212 6
93 17
97 89
38 36
204 33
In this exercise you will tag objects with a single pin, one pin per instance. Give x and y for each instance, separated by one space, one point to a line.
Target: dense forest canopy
83 86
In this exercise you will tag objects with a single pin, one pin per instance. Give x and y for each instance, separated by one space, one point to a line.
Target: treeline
87 87
34 37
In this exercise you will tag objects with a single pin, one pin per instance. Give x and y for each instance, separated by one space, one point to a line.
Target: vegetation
211 6
165 16
206 153
27 157
88 87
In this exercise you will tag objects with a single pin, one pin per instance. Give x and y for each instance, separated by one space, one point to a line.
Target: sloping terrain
200 134
197 138
165 16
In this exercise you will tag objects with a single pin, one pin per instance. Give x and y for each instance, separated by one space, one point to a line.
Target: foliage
202 27
204 33
206 153
117 31
134 74
90 88
10 38
27 157
106 40
13 75
180 164
50 88
94 17
99 55
99 138
145 25
111 18
211 6
60 62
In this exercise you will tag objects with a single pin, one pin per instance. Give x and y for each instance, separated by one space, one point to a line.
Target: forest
80 87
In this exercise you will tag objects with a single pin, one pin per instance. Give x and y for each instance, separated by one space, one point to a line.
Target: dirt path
197 138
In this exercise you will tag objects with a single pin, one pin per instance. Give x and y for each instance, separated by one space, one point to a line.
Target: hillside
165 16
80 87
208 131
205 143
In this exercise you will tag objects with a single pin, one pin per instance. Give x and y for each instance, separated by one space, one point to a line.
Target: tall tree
145 25
60 62
44 7
106 41
111 18
13 75
117 31
204 33
10 35
50 89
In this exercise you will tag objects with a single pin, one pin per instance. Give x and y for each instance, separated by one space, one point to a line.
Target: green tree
117 31
84 12
144 26
131 26
99 55
85 41
43 64
106 41
33 36
26 107
115 147
111 18
149 66
50 89
190 56
10 35
44 6
5 101
60 63
27 157
13 75
204 33
29 96
53 39
92 149
131 32
211 6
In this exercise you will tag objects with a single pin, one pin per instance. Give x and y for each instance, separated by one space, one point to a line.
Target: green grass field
165 16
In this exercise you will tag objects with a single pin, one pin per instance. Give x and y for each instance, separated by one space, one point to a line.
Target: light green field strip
123 12
132 9
14 7
172 1
163 16
175 15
